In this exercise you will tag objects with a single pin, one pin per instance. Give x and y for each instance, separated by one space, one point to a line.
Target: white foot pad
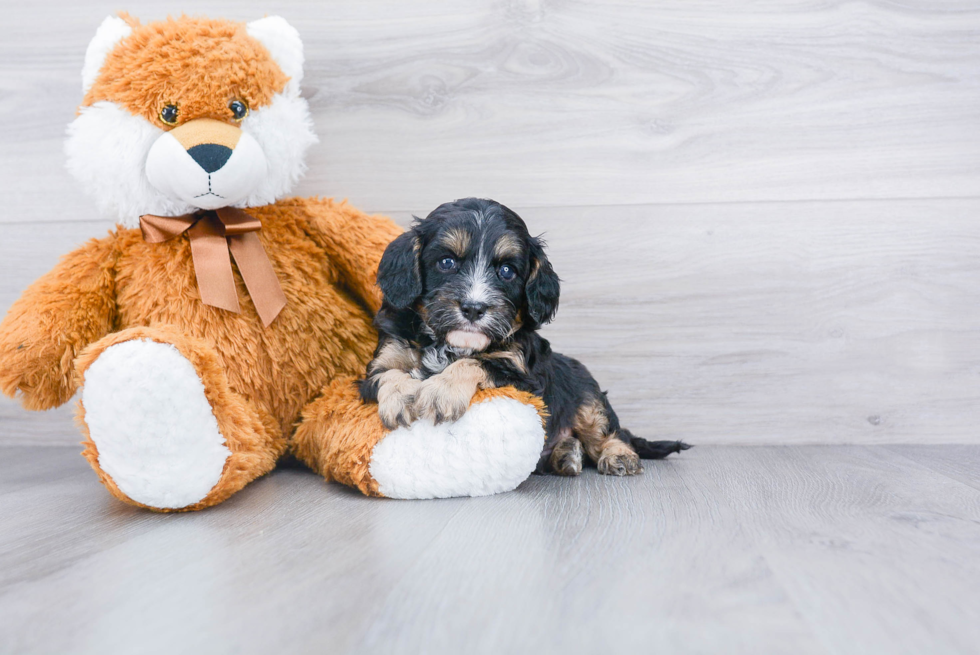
492 448
147 414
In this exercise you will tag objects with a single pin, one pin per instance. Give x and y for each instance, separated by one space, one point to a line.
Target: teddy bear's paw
155 431
492 448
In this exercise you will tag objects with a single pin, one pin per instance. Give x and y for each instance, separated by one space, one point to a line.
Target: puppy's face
473 274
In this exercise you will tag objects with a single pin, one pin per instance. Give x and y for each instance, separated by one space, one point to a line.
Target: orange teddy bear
197 375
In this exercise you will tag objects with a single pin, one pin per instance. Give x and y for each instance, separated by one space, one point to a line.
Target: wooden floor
793 549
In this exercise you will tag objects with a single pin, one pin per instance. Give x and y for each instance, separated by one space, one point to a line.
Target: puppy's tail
652 449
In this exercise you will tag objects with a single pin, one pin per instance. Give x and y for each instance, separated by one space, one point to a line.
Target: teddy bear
221 325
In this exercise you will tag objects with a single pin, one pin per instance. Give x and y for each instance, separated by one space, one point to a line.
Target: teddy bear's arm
65 310
354 241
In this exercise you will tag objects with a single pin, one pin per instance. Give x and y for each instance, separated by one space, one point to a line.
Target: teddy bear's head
188 114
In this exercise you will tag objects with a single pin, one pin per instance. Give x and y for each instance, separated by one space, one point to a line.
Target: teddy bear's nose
210 156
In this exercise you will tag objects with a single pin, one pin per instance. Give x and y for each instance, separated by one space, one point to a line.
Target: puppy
465 291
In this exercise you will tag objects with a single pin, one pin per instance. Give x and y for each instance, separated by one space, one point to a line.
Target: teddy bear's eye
239 109
168 114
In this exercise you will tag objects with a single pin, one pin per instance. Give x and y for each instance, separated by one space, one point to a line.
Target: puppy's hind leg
566 458
597 427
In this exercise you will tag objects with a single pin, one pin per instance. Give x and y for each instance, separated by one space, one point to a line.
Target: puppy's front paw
441 401
395 401
618 459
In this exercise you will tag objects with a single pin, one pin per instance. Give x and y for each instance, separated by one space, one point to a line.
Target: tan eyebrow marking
507 246
457 240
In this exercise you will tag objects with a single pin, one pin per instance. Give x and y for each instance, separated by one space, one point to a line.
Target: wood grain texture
819 549
812 322
569 103
738 322
849 322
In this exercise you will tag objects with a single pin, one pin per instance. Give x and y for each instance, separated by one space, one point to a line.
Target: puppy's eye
239 109
168 114
506 272
446 265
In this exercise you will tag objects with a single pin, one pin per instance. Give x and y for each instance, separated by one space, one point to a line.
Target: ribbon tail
258 274
212 266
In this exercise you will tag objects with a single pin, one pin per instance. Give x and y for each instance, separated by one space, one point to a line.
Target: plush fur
182 403
111 142
465 291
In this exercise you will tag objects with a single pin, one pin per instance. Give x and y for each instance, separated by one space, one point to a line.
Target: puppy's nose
473 311
210 156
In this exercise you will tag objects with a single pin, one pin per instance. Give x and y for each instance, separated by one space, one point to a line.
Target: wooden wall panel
812 322
765 213
570 103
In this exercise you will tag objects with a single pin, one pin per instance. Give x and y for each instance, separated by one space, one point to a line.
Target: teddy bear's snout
209 142
206 163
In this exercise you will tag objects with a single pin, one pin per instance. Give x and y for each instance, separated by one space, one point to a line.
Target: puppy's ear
543 285
398 273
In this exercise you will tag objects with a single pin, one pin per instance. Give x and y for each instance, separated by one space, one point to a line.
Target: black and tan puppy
465 291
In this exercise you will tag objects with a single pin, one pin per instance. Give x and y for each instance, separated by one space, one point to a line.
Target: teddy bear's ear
112 30
282 41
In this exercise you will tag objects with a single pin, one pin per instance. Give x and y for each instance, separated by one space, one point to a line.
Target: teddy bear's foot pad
156 433
493 448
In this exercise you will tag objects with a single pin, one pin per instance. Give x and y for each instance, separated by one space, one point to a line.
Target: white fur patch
112 30
492 448
284 44
156 433
107 150
284 131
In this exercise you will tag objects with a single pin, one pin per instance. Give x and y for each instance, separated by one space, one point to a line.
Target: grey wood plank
878 553
591 565
569 103
810 322
724 549
55 427
960 462
752 550
850 322
290 560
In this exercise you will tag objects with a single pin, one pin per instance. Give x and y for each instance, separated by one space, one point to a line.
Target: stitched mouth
209 192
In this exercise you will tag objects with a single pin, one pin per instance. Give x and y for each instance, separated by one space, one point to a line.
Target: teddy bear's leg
494 446
164 430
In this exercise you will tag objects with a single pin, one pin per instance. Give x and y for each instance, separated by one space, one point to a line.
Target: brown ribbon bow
213 234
